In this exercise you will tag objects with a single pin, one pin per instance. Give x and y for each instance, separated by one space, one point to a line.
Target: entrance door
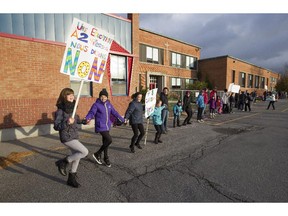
156 82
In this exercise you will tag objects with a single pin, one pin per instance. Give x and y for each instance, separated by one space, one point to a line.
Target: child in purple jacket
101 111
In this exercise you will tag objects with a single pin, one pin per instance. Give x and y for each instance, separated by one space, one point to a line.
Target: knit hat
103 92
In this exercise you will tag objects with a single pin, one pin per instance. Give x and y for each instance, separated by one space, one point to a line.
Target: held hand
71 121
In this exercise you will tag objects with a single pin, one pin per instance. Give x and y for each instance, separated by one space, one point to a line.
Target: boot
62 166
132 149
72 180
156 138
160 141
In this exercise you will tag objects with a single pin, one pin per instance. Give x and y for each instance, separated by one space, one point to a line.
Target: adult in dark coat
187 100
165 112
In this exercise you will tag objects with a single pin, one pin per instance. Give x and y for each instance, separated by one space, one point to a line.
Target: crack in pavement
203 150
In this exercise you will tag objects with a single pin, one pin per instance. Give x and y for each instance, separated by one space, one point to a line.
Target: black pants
176 119
225 108
271 103
106 141
189 116
247 105
231 105
136 137
199 114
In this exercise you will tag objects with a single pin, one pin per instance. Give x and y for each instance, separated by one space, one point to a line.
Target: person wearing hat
134 114
177 111
101 111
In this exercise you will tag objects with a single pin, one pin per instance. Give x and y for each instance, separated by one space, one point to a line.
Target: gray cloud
260 39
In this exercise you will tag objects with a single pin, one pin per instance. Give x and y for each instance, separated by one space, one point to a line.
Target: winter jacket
200 101
187 102
205 96
225 98
157 115
102 112
212 103
177 110
164 99
134 112
66 132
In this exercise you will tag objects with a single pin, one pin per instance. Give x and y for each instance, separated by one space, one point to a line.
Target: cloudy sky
260 39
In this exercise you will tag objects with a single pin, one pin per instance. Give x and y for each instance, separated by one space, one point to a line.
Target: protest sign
150 101
233 88
86 53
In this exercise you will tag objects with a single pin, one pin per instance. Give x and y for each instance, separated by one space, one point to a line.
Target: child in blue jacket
157 120
177 110
200 104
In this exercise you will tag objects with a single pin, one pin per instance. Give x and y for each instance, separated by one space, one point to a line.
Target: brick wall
167 44
219 72
31 82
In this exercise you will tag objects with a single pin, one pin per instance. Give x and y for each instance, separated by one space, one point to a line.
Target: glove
84 121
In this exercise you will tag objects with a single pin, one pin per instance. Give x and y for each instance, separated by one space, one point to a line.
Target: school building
32 48
222 70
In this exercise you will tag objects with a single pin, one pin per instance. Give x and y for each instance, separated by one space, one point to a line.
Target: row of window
118 69
156 56
250 81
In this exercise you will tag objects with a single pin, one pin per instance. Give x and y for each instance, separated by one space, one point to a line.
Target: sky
260 39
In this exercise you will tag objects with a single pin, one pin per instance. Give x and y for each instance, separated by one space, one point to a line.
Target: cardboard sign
234 88
150 101
86 53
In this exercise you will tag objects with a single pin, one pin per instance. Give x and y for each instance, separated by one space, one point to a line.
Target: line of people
104 114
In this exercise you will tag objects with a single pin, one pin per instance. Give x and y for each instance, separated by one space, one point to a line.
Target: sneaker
97 158
198 121
107 162
201 120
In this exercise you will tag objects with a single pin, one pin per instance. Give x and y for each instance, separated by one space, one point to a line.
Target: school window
242 79
191 62
262 83
176 60
233 76
257 81
250 81
151 54
86 88
118 70
175 83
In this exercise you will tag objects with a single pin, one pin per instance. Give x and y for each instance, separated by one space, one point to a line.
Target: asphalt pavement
239 157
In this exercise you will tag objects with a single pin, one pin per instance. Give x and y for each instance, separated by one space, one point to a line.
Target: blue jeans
165 114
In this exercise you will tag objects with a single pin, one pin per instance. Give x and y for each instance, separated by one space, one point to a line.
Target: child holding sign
101 111
68 131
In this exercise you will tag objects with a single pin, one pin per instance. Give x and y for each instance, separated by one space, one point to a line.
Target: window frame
126 75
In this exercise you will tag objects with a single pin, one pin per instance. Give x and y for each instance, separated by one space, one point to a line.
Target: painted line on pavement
220 123
284 110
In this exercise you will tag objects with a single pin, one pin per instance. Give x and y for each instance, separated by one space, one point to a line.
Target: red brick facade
165 70
31 81
219 72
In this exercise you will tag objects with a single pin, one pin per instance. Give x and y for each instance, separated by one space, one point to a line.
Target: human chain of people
105 116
